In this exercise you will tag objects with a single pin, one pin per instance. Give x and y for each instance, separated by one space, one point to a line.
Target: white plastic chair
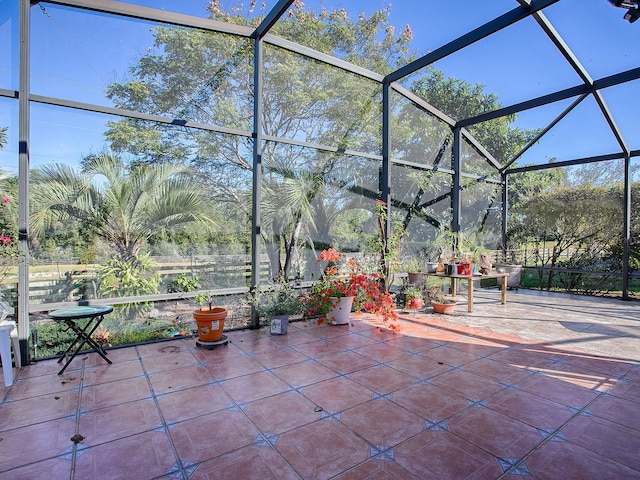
8 336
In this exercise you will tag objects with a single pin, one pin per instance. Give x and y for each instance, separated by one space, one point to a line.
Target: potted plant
276 303
209 319
413 298
413 267
344 283
440 303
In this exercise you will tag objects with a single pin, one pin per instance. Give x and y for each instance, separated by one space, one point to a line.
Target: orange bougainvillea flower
330 255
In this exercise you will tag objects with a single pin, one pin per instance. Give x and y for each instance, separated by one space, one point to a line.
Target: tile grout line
76 436
551 436
165 427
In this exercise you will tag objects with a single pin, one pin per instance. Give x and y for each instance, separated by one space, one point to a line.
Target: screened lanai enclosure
153 150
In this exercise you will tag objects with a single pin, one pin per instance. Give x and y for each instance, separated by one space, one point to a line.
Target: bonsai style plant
413 266
440 303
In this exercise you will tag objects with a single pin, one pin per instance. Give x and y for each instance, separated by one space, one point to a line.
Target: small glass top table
69 316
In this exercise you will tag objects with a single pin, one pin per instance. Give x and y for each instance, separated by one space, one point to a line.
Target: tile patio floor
546 387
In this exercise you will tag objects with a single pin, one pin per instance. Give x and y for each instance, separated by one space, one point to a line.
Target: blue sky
516 64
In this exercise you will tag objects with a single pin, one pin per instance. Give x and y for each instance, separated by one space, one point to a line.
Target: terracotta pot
210 323
414 277
447 308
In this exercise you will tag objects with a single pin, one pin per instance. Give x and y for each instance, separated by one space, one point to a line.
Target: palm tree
126 205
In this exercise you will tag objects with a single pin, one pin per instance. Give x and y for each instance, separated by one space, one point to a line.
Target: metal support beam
626 231
606 82
257 173
473 36
611 122
23 182
456 187
544 131
505 214
272 17
385 187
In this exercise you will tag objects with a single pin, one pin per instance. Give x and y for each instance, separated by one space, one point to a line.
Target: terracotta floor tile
353 341
304 373
281 413
627 387
418 366
168 361
347 362
146 455
45 440
230 367
337 394
496 371
606 438
450 356
318 348
429 401
192 402
414 344
556 390
466 384
278 356
616 409
562 460
524 357
167 381
40 368
118 421
382 352
53 469
38 409
440 455
530 409
252 462
254 386
109 373
377 470
381 379
115 393
46 384
322 449
235 409
382 422
494 432
211 435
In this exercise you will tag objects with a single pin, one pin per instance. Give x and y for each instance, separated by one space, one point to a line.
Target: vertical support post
23 183
626 233
385 174
505 214
258 50
455 188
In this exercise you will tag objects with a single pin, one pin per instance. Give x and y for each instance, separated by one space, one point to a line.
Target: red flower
6 200
5 239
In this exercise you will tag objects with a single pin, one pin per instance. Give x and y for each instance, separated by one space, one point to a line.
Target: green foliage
132 277
184 283
276 299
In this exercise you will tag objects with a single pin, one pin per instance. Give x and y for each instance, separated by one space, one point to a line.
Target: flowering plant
346 278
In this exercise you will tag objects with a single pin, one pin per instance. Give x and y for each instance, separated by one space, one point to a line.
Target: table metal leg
504 290
83 338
